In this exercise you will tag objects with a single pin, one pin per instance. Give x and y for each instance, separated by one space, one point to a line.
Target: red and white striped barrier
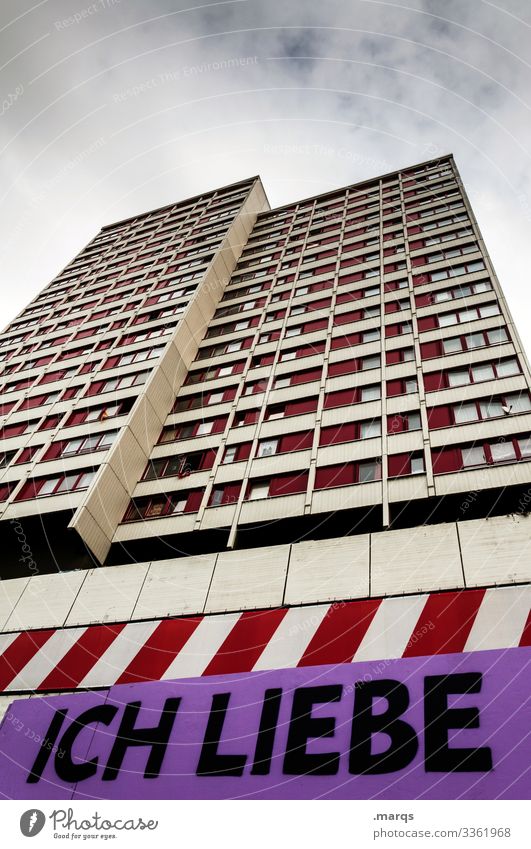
342 632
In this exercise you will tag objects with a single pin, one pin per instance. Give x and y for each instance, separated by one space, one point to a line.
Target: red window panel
194 501
6 408
288 484
424 300
344 367
346 432
296 441
350 278
27 454
417 261
94 388
392 306
219 425
427 322
55 450
312 326
439 417
322 303
13 430
340 475
340 399
398 464
5 491
420 279
434 380
71 392
306 376
430 349
446 460
392 330
50 422
111 362
394 387
34 401
51 376
347 317
347 341
297 408
392 357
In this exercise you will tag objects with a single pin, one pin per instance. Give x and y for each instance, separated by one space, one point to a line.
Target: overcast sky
117 106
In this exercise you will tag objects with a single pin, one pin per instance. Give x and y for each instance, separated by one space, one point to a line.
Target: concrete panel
10 592
496 550
108 595
46 601
252 578
328 570
175 587
415 560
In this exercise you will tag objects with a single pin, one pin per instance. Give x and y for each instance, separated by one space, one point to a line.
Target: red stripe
243 646
20 652
79 660
444 624
340 633
526 636
163 646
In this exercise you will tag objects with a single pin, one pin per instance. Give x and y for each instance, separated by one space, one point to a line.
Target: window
465 413
205 428
282 382
293 331
502 451
417 464
410 385
370 335
370 362
259 489
267 448
370 393
288 355
89 443
370 428
474 456
370 470
230 454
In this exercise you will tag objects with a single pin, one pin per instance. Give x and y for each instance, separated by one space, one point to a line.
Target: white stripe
501 619
292 637
201 647
46 659
391 628
6 640
119 655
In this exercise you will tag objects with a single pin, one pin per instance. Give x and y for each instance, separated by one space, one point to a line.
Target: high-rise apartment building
249 415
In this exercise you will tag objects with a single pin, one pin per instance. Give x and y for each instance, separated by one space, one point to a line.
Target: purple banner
442 727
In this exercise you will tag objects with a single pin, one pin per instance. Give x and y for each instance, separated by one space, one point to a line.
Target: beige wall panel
279 463
353 413
278 507
218 517
496 550
402 403
251 578
108 595
46 601
10 592
415 560
407 488
363 449
175 587
328 570
155 527
347 497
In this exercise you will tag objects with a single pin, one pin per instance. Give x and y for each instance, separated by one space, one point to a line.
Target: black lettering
210 761
41 760
156 738
65 767
266 732
302 727
404 743
439 718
